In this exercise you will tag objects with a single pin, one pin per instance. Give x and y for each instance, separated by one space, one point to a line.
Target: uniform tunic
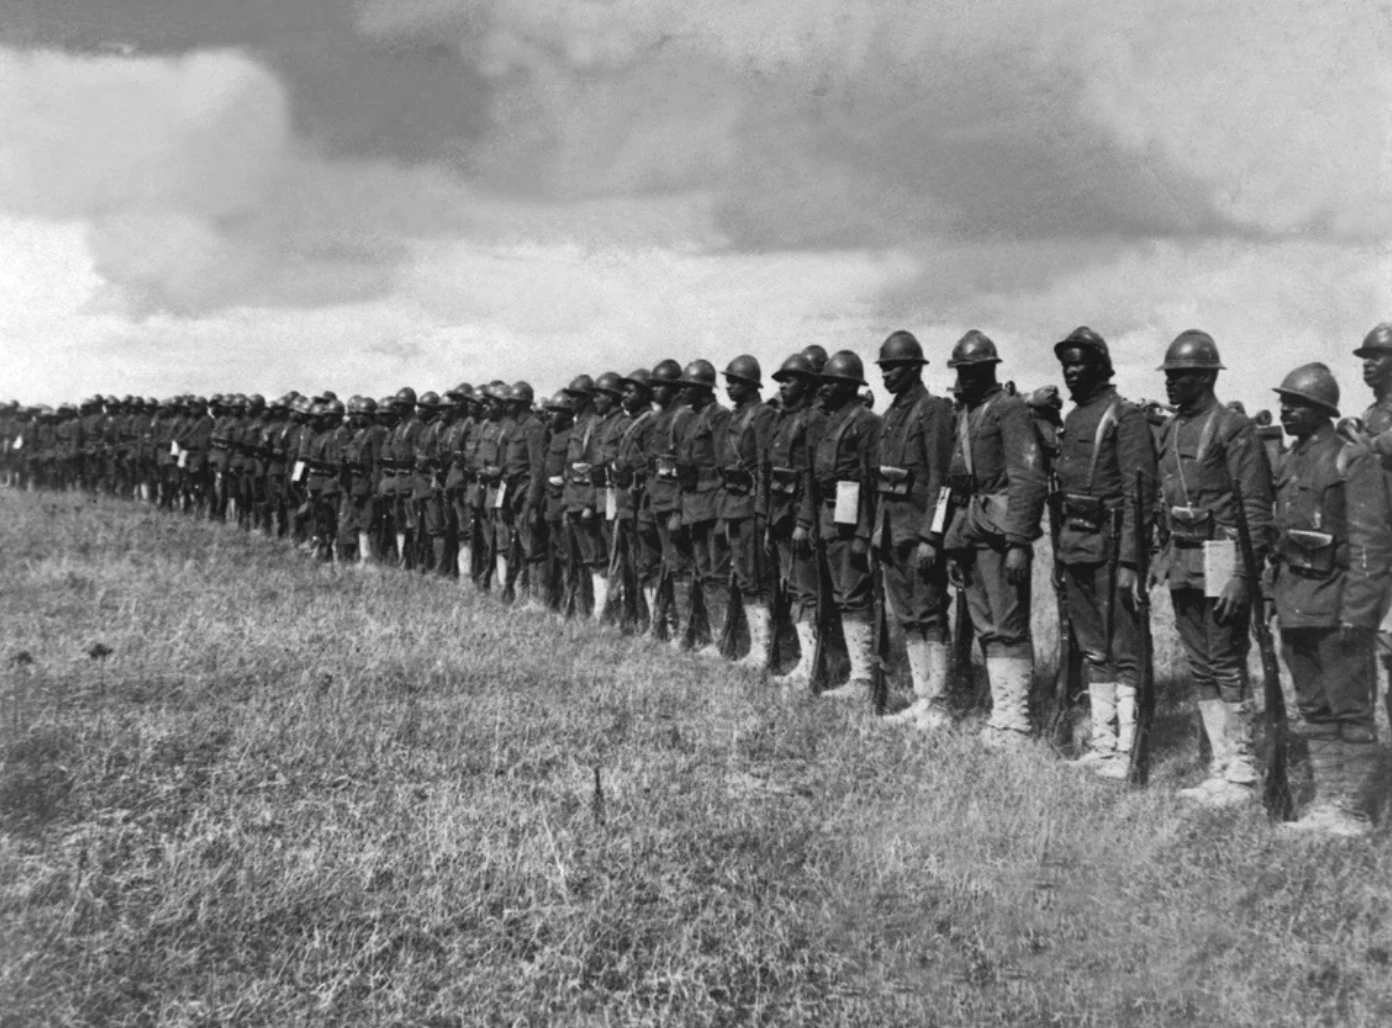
794 437
846 455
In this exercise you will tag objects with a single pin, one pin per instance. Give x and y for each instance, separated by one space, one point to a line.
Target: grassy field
241 788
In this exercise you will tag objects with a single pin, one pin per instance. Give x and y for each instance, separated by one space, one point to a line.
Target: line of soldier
643 499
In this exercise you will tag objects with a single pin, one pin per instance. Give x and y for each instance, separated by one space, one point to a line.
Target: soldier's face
1183 386
1082 371
603 403
974 379
898 377
664 393
792 389
634 398
738 391
1300 418
1377 369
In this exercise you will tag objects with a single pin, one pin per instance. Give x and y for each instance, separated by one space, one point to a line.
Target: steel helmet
388 403
522 392
369 405
901 347
797 364
745 368
256 402
581 385
496 390
610 383
561 401
699 373
301 404
639 377
1192 348
331 408
405 397
355 404
974 348
429 401
1084 338
666 371
845 366
463 391
817 355
1314 383
1376 342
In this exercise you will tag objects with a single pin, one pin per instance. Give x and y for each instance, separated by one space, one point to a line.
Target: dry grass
291 794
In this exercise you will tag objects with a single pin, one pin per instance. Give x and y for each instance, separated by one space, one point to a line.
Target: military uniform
700 486
742 505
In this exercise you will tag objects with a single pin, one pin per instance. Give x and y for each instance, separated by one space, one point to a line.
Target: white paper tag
183 458
173 449
940 511
500 496
1219 566
611 503
19 442
847 503
298 472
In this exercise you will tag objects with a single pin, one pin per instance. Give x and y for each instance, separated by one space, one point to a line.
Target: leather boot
757 615
859 646
800 674
1213 715
364 549
464 563
1102 746
1119 766
928 664
1010 679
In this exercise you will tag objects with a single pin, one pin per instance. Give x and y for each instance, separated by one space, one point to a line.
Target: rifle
960 673
824 593
571 604
879 667
698 620
734 605
1068 675
1139 774
1276 792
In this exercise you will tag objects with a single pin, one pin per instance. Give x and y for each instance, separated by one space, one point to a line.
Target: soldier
488 460
1104 443
388 480
275 441
1376 353
522 454
562 408
665 493
428 493
1206 447
998 491
400 449
1334 532
583 465
194 439
325 492
220 452
843 473
454 449
635 530
700 485
795 434
610 421
361 460
742 502
916 439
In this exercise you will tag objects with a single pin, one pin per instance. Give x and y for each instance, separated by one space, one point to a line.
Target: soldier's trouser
1335 681
851 590
1384 651
589 535
1000 611
1087 589
799 571
674 546
1215 653
747 559
710 557
917 600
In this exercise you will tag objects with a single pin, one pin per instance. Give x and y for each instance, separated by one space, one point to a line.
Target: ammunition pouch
1084 513
737 480
893 481
784 481
621 477
962 486
666 469
1308 552
580 473
1191 525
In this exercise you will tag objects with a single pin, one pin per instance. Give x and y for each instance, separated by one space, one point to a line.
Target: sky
363 194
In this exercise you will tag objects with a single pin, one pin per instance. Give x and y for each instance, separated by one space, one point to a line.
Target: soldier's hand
1017 565
925 557
1234 598
802 540
860 551
674 522
1128 587
955 574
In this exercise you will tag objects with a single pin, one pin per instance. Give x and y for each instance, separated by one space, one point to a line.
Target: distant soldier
1105 442
194 440
428 492
796 432
358 470
634 525
488 463
999 487
400 450
665 490
700 485
454 447
742 503
1206 448
1376 353
562 408
1334 545
610 421
844 472
518 541
911 477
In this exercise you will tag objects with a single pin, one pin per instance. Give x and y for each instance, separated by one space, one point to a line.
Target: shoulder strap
1108 419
